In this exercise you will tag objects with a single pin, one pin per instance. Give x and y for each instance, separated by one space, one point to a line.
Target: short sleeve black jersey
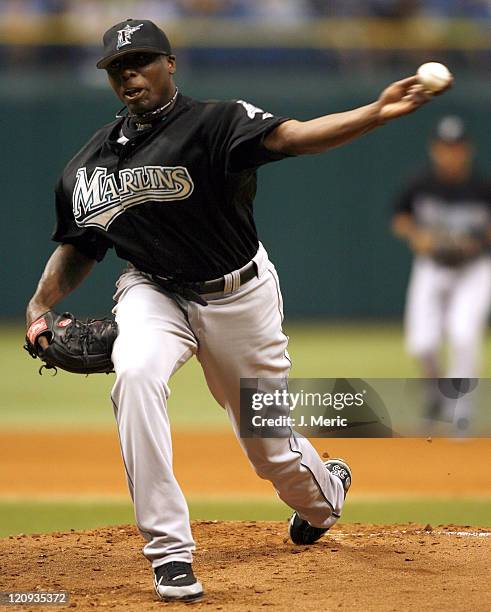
175 199
457 209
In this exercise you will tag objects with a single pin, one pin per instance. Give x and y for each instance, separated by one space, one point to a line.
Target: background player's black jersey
458 210
176 199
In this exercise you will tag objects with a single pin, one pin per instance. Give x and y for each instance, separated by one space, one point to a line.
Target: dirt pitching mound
251 565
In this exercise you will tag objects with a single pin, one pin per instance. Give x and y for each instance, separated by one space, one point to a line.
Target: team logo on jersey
252 110
124 35
97 200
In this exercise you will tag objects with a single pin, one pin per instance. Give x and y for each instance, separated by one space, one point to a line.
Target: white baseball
434 76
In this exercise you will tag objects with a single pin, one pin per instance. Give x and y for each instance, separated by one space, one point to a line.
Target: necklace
144 120
152 114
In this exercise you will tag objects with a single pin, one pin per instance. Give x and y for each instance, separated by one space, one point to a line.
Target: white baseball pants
236 335
452 304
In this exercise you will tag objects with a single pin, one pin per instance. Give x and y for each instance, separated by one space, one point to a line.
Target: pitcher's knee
140 376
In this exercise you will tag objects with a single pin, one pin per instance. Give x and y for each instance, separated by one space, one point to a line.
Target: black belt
193 290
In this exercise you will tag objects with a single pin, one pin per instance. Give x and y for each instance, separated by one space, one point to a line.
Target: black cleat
302 532
175 581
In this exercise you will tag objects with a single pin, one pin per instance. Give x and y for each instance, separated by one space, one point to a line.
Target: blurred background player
445 216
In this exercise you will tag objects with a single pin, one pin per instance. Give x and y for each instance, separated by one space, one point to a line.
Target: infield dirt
251 566
89 463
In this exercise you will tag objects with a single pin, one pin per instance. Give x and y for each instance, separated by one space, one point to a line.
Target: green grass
42 517
73 401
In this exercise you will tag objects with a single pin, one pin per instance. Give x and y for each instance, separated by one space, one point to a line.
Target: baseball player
170 185
445 216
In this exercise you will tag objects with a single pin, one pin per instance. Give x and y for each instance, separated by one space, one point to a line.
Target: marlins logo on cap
124 35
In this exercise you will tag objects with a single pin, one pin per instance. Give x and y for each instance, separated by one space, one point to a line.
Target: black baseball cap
130 36
451 130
